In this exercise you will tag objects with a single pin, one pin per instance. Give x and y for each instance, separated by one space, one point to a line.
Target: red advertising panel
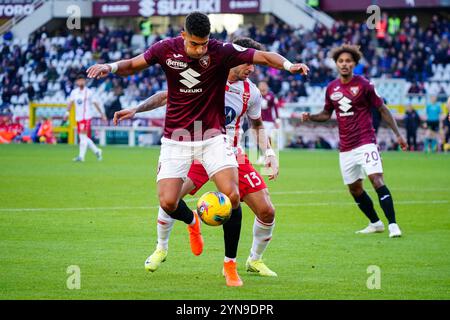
147 8
361 5
240 6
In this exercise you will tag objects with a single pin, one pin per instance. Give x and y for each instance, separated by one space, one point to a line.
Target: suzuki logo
190 78
345 104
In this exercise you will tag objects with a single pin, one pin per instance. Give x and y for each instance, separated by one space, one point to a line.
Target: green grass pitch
101 217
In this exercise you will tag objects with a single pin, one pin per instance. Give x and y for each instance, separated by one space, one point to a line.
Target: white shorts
357 163
175 159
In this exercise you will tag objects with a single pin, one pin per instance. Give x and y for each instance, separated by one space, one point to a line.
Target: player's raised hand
98 71
299 68
402 142
272 162
123 115
305 117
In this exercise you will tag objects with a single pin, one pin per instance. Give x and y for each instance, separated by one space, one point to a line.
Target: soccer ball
214 208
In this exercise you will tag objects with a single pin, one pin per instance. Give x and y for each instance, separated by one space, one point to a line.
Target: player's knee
266 213
234 198
168 205
356 191
377 180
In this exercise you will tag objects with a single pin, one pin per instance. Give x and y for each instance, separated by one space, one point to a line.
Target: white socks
86 142
83 145
262 234
165 224
92 145
226 259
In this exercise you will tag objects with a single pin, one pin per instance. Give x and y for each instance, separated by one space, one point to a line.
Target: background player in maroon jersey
197 68
269 113
352 97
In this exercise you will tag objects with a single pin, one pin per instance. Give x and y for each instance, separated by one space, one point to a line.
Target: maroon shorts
250 180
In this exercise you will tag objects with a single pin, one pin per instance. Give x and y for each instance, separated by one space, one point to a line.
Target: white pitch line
299 204
344 190
319 204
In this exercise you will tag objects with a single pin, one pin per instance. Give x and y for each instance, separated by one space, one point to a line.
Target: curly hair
197 24
248 43
353 50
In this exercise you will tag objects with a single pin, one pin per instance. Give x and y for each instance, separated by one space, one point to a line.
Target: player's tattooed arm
387 116
322 116
155 101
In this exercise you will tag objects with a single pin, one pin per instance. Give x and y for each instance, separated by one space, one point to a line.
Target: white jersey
241 98
83 100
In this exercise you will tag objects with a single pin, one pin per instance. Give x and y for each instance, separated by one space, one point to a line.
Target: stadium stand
407 64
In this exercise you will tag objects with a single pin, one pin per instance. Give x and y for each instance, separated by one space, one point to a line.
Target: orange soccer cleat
231 276
195 236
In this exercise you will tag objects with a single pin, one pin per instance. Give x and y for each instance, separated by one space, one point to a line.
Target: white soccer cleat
394 231
78 159
153 262
99 155
373 228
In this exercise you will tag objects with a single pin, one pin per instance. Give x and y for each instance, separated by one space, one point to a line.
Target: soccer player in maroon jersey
197 68
242 98
352 98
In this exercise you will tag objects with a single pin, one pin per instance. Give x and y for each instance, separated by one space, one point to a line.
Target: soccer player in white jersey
84 99
196 69
242 98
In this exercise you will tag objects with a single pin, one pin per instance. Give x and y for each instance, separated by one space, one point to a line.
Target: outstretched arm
322 116
155 101
122 67
387 116
274 60
264 145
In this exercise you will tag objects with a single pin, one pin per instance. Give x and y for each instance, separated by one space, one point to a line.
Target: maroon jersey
269 107
196 87
353 103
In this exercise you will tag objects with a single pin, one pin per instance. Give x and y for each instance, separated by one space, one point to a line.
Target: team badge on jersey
205 61
354 90
246 97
